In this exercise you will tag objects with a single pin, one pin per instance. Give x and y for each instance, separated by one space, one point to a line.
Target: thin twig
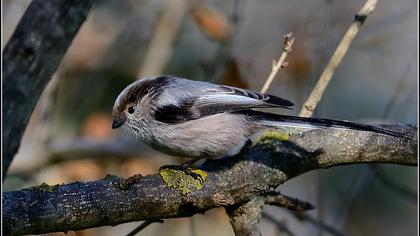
142 226
319 89
281 200
277 65
224 51
398 89
361 183
281 226
392 185
328 228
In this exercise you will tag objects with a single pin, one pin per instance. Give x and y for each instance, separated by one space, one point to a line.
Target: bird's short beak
116 123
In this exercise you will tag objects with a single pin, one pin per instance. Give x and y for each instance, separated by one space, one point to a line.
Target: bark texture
231 182
31 57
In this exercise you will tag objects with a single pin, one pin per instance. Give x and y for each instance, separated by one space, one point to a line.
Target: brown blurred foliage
211 21
97 126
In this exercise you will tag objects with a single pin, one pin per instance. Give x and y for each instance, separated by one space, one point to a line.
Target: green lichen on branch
273 135
45 188
182 181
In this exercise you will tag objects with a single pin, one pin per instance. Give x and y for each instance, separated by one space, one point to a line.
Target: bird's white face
124 107
133 110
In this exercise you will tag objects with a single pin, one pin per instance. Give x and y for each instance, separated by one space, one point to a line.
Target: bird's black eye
130 110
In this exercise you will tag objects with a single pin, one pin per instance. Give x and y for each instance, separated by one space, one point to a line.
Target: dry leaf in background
232 76
141 166
83 170
300 64
98 127
212 22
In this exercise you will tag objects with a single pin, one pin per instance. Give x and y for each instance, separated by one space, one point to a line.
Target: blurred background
232 42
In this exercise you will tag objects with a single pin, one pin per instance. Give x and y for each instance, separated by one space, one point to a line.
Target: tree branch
245 218
30 58
230 182
327 228
309 106
281 200
280 225
288 40
142 226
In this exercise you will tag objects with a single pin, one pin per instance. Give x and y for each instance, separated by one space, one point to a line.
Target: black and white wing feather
184 100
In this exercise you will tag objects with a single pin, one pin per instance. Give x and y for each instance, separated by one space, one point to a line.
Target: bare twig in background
314 98
395 187
328 228
397 91
281 226
281 200
361 183
303 217
160 49
142 226
31 57
277 65
264 167
61 151
310 105
43 113
224 51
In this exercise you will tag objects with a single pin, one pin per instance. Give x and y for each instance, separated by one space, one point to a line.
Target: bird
197 119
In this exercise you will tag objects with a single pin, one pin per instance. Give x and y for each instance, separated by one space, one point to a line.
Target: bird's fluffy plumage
205 120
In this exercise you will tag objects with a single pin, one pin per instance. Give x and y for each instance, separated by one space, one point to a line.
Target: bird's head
134 105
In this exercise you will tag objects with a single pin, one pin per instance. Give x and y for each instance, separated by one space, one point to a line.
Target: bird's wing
203 99
237 98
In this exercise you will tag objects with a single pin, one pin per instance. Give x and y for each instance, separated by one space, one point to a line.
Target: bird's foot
191 162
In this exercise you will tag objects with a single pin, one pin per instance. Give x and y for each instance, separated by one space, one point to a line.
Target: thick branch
281 200
30 58
231 181
245 218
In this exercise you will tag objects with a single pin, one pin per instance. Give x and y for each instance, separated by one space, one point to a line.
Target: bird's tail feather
275 120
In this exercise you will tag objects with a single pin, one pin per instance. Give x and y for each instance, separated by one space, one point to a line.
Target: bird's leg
191 162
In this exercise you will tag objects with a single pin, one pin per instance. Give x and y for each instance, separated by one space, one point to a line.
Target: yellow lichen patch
183 182
45 188
273 135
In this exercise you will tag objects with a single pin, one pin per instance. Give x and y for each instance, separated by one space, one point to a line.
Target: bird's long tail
277 121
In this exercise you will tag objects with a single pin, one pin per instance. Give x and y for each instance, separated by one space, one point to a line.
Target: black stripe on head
152 87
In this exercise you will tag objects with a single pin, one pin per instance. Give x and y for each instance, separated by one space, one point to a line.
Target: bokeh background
232 42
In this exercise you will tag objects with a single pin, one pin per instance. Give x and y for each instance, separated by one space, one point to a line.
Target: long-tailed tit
204 120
